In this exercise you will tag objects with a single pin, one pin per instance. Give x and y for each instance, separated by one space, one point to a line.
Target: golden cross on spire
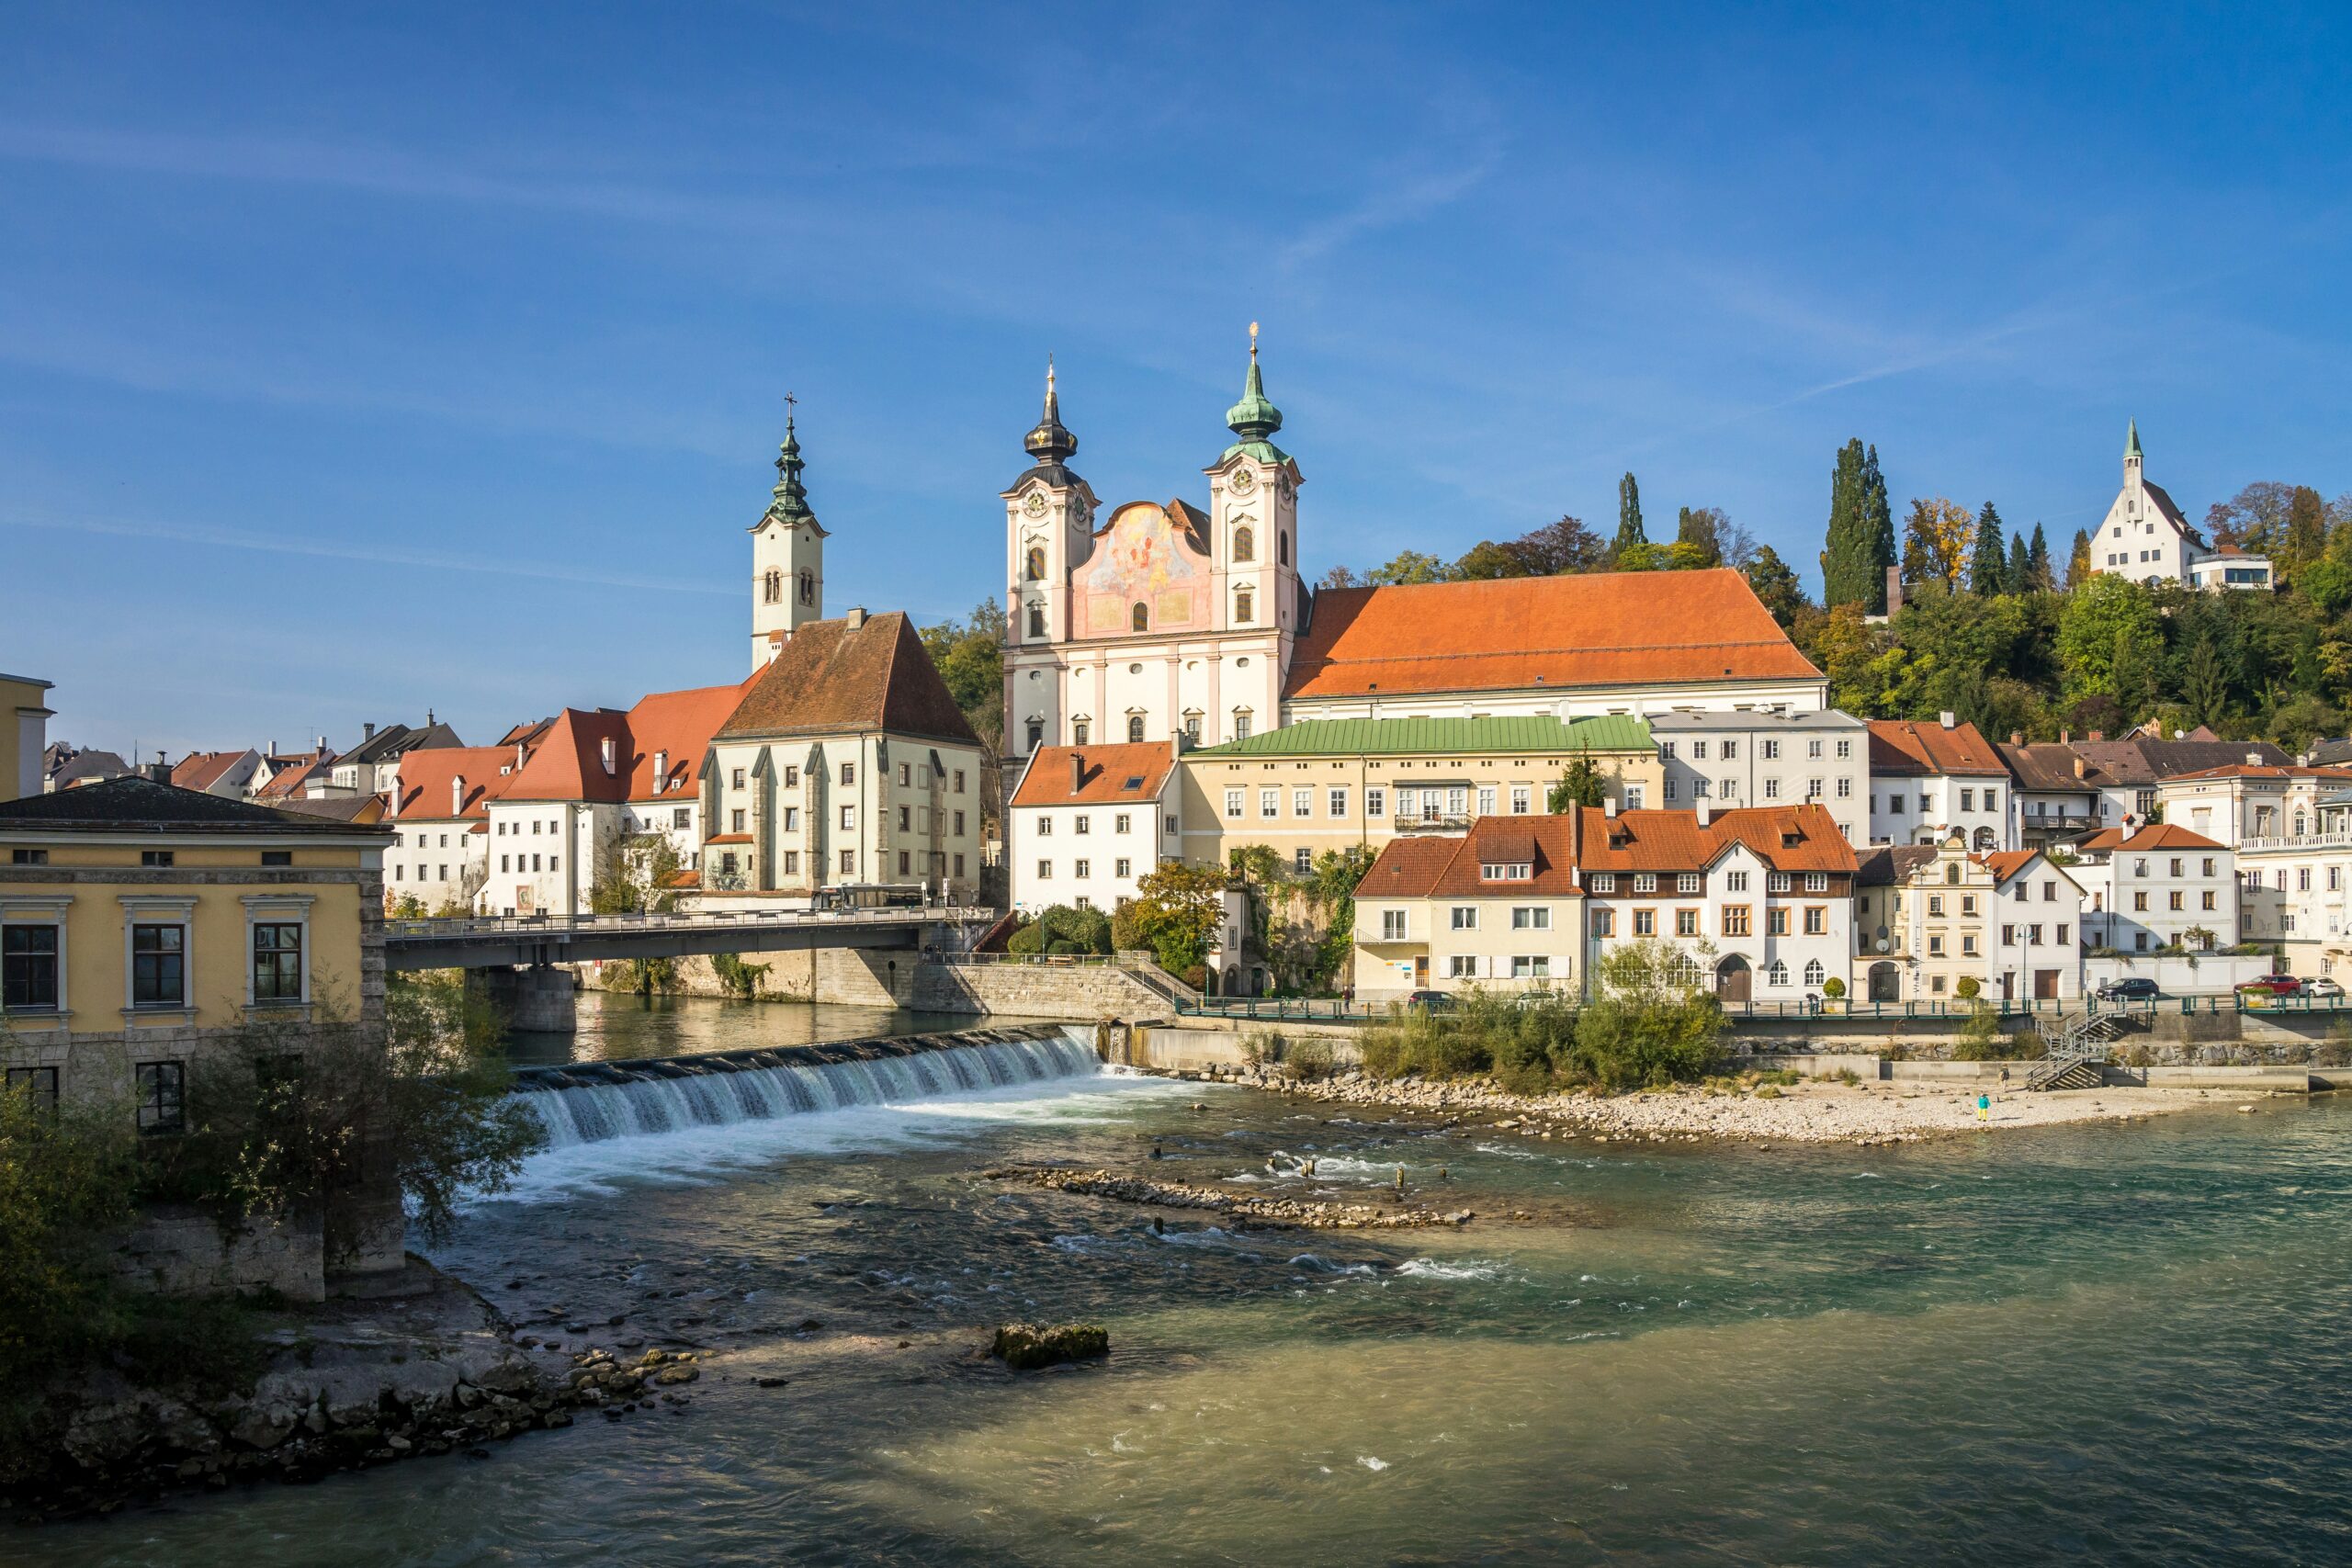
791 404
1253 340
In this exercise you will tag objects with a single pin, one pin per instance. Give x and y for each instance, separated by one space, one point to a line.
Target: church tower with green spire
787 556
1254 508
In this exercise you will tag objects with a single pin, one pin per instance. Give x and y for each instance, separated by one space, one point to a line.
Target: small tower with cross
787 554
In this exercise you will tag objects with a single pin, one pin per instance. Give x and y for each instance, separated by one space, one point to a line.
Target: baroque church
1165 619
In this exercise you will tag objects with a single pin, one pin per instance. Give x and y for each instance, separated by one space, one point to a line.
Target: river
2116 1343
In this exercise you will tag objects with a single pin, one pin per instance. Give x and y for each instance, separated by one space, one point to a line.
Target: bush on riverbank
1981 1040
1649 1024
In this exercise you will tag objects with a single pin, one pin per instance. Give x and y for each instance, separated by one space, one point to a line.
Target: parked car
2323 989
2272 984
2130 989
1429 1001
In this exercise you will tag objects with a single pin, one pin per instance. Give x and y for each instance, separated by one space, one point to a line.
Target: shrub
1310 1059
739 979
1834 988
1968 988
1029 940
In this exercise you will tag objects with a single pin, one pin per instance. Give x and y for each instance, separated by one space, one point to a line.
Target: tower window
1036 733
1140 617
1078 732
1036 620
1244 608
1281 542
773 587
808 588
1135 727
1036 563
1244 544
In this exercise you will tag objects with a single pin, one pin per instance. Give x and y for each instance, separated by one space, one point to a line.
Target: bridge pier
537 999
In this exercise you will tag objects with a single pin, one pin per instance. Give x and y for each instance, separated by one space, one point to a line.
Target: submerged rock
1027 1346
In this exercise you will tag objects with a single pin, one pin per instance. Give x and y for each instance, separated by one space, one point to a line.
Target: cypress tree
1878 519
1988 568
2078 564
2037 564
2019 578
1850 574
1629 517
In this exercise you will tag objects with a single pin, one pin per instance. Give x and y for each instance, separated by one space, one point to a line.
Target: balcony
2298 842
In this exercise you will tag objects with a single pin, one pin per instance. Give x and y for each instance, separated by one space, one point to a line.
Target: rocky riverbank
1302 1214
348 1385
1810 1112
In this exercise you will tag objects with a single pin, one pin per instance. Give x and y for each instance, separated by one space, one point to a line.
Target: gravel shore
1807 1112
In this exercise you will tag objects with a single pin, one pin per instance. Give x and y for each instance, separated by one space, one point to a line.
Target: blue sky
355 360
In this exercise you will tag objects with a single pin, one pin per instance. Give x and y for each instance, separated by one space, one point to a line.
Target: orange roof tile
1598 628
2267 771
681 724
1416 869
426 774
1904 748
2156 836
202 770
1785 837
1095 775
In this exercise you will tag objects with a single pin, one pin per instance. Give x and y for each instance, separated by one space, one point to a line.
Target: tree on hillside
2078 560
2106 618
1567 546
2253 519
2017 577
1776 585
1410 567
1629 518
1340 577
1936 540
969 656
2306 534
2037 566
2204 689
1988 566
1855 557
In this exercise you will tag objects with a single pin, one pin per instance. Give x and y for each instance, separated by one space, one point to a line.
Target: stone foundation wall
1035 990
186 1251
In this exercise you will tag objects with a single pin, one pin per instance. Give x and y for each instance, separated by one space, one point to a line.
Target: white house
2146 538
1930 782
1086 823
1766 757
2034 923
2157 888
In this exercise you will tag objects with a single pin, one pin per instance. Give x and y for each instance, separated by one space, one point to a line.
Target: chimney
429 720
1948 718
1705 813
661 770
856 618
1076 764
369 726
323 746
2081 769
457 794
1609 806
2096 736
1894 591
2065 737
2254 758
518 755
2016 737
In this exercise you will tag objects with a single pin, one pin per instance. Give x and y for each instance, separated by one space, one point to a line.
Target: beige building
1335 784
845 764
142 927
1928 916
24 734
1498 907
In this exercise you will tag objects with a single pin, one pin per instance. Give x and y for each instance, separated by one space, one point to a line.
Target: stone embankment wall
911 980
184 1251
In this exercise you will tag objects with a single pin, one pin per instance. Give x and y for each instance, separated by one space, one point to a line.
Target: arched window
1036 620
1140 617
1776 973
773 586
1244 544
1282 543
1036 733
2299 824
808 588
1984 837
1135 727
1813 972
1245 607
1036 563
1951 875
1077 731
1240 724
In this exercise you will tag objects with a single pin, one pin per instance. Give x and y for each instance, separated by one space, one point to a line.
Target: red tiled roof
729 838
202 770
1592 629
569 763
288 781
1102 771
2267 771
426 774
831 677
1666 841
1901 747
2005 863
2156 836
681 724
1407 868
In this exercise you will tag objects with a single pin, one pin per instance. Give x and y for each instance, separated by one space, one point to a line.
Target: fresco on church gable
1143 558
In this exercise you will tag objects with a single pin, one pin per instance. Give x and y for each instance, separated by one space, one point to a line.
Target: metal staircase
2079 1049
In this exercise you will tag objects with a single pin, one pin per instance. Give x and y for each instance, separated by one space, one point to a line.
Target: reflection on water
2116 1344
619 1026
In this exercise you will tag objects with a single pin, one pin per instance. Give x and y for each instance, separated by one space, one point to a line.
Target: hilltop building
2146 538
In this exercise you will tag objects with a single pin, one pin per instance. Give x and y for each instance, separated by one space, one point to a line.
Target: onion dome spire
1253 419
1050 441
790 502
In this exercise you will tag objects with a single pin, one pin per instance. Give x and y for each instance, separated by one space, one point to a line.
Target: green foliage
969 656
1630 532
1028 941
1650 1023
1776 586
441 1084
1968 987
1860 544
1834 988
1981 1040
1410 567
740 980
1988 566
636 877
407 907
1580 784
1176 910
1065 931
66 1182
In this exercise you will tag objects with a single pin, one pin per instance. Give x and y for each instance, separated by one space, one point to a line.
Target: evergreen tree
2078 564
2306 529
1855 557
2037 564
1629 517
1776 585
1702 528
2017 577
2204 688
1988 567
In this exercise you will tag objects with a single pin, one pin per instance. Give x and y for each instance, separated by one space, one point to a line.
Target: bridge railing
470 927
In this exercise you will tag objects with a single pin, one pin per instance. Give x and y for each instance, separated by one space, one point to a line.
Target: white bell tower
1254 508
1050 526
787 556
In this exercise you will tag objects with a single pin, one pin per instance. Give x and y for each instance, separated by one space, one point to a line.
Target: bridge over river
516 956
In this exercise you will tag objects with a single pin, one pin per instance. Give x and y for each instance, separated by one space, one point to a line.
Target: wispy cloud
215 538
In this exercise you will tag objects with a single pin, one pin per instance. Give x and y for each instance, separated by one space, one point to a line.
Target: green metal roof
1393 737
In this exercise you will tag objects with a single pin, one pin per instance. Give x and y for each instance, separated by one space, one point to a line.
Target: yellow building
1334 783
24 734
142 927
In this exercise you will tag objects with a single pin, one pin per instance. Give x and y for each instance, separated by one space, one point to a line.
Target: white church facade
2146 538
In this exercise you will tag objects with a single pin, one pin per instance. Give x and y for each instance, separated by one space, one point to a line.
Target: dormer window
1506 870
607 754
1604 881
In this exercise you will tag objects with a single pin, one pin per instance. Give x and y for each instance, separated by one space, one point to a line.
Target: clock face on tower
1242 482
1035 505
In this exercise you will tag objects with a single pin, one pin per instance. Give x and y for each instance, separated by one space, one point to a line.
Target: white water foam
1430 1268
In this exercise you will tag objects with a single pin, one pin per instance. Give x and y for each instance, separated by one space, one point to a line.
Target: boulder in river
1025 1346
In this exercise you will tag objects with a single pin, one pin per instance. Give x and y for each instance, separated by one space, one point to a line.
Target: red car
2276 985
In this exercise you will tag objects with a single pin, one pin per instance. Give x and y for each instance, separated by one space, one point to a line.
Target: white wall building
1760 757
2144 537
1931 781
1086 823
2160 887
